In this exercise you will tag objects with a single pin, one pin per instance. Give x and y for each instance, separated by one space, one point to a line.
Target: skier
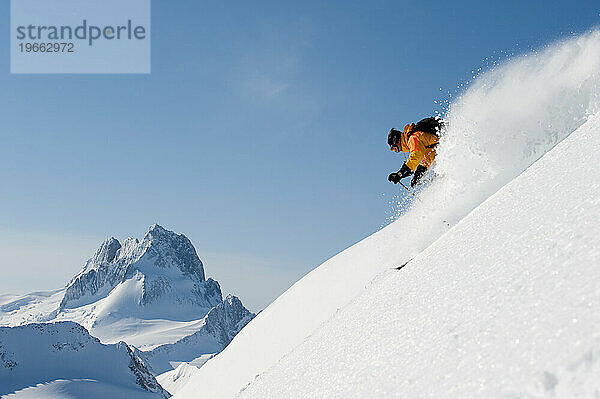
420 140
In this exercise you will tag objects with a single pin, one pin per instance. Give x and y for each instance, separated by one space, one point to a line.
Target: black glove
404 171
394 178
401 174
419 174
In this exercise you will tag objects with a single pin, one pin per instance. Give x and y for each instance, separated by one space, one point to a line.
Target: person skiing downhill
420 140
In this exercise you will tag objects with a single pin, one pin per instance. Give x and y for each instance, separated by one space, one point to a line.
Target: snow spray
504 121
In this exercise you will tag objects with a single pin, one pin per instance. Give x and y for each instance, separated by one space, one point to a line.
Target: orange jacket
421 146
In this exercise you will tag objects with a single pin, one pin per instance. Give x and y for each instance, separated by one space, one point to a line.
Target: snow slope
31 308
78 388
61 359
509 117
177 378
506 304
219 327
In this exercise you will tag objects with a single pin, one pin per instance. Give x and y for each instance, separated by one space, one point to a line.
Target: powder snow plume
507 118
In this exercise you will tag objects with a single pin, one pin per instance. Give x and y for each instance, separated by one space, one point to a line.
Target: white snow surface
506 304
177 378
62 359
144 334
219 327
503 304
36 307
78 388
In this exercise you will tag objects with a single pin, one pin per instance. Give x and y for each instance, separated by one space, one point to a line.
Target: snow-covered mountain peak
164 265
171 249
158 230
106 253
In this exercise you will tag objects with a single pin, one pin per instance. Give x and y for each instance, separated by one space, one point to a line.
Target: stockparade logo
80 36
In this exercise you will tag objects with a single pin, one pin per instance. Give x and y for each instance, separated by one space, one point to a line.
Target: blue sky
260 133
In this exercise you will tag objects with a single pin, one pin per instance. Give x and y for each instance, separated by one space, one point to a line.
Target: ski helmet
393 137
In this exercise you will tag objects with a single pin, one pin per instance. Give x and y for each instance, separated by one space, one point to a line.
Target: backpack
432 125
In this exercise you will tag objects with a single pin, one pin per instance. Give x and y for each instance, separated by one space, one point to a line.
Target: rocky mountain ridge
221 325
168 262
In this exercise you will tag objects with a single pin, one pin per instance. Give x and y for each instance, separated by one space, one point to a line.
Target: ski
404 264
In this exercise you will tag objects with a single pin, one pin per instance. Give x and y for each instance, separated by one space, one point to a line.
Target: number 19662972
47 47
